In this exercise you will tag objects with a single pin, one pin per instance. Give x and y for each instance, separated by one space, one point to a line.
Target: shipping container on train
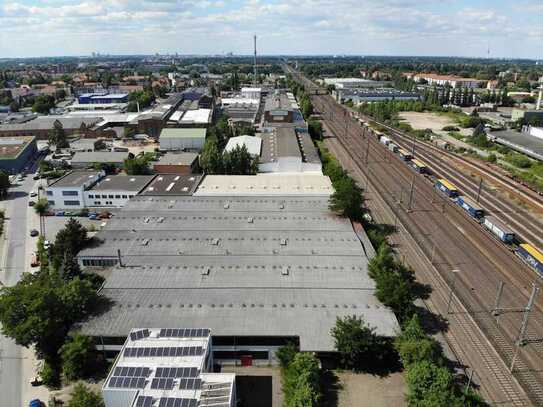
405 155
393 147
419 166
471 206
384 140
532 256
447 188
500 229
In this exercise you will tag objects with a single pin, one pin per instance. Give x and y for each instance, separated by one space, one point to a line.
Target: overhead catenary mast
255 70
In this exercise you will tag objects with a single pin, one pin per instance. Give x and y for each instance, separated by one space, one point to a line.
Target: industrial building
16 152
358 96
525 142
172 185
69 191
285 149
353 83
182 139
114 191
168 367
259 271
40 127
253 144
86 159
102 98
176 163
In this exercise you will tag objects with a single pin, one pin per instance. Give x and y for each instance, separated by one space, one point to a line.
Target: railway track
455 242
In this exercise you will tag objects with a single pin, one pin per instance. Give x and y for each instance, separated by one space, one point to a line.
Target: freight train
532 256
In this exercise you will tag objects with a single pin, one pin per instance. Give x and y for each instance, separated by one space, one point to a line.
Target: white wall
176 144
107 199
58 199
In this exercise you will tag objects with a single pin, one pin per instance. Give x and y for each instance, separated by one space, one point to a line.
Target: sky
509 28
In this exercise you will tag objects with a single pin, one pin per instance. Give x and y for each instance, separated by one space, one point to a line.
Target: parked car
35 262
33 194
36 177
93 216
35 403
31 203
34 233
59 213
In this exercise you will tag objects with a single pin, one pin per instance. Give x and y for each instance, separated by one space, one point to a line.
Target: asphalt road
13 265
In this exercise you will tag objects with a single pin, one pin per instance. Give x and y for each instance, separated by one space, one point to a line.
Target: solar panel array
190 384
177 402
162 384
127 382
177 372
132 371
142 333
185 333
163 351
144 401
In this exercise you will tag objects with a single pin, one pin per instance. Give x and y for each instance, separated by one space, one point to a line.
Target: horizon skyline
432 28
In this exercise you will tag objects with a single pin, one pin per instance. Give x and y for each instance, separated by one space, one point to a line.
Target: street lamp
453 281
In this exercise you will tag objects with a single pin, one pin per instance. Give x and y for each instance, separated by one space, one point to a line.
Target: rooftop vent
285 270
146 220
283 242
215 241
145 242
250 219
205 271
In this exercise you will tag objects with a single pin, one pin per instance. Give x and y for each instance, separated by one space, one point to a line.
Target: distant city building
358 96
442 80
167 367
251 93
102 98
352 83
16 152
40 127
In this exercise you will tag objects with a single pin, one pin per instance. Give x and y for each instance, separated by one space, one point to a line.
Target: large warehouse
259 271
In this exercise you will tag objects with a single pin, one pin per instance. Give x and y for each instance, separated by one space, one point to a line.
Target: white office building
68 192
159 367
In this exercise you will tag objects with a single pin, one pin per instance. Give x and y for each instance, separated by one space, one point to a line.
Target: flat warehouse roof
241 265
75 179
133 183
99 157
172 184
266 184
183 133
307 313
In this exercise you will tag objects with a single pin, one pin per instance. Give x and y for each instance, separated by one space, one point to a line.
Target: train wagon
393 147
500 229
471 207
405 155
447 188
419 166
384 140
532 256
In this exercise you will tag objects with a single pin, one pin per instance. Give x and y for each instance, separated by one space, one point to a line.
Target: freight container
500 229
447 188
532 256
384 140
405 155
470 206
392 147
419 166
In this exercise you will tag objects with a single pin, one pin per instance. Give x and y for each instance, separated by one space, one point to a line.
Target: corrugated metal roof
183 133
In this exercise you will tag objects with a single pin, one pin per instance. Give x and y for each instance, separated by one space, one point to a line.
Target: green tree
57 136
211 158
79 357
414 345
137 166
347 198
238 161
286 354
355 341
315 129
4 183
43 103
82 396
301 381
40 309
41 207
430 385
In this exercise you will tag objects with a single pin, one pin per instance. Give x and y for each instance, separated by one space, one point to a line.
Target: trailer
447 188
499 229
384 140
419 166
405 155
471 207
393 147
532 256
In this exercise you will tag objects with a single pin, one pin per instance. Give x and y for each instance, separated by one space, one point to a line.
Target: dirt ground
365 390
433 121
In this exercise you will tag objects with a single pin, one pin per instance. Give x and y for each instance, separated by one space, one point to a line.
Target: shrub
301 381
